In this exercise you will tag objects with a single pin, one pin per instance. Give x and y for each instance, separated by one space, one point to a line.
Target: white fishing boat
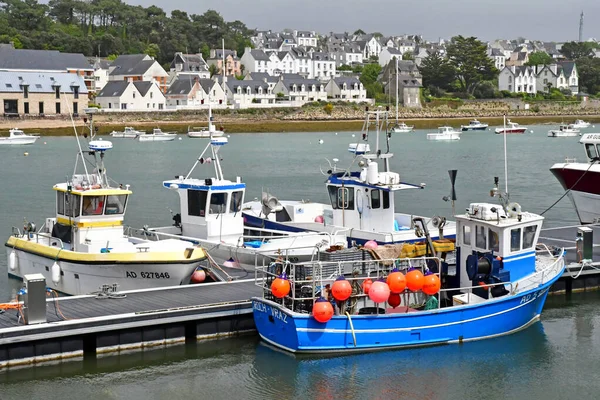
127 133
205 132
84 247
17 136
157 135
211 215
580 124
474 125
362 201
564 131
511 127
444 133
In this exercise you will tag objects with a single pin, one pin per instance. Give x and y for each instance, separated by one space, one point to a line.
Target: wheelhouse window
236 201
345 198
375 198
115 204
93 205
480 237
494 241
218 201
60 203
72 205
590 149
386 200
466 235
197 202
333 196
529 236
515 239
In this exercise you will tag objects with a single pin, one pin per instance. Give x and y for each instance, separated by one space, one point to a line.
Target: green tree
589 74
213 70
577 50
377 35
473 66
205 50
539 58
408 56
370 73
437 71
344 67
152 50
359 32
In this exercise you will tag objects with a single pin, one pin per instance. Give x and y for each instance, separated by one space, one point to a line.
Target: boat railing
570 160
36 236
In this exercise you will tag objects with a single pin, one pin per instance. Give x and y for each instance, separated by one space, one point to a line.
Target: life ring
514 209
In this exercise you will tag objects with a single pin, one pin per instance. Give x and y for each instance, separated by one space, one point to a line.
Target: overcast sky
550 20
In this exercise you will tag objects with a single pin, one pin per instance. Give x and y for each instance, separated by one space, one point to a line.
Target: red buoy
322 310
379 291
414 279
280 287
199 276
431 283
396 281
394 300
367 283
341 289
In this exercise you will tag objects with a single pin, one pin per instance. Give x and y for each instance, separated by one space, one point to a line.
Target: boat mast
505 160
396 90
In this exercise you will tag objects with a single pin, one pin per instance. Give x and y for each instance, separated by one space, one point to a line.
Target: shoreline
256 124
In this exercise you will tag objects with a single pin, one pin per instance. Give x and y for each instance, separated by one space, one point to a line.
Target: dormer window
239 90
303 88
344 87
260 91
248 91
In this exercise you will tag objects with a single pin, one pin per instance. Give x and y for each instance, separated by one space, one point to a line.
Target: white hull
587 206
157 138
583 125
124 135
18 141
562 133
206 134
443 136
91 277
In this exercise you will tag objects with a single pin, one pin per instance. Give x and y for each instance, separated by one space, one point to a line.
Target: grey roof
44 60
180 86
408 81
273 44
523 69
253 85
391 50
207 84
113 89
496 53
348 80
219 53
294 79
307 34
299 52
521 56
12 81
261 76
143 86
131 64
567 67
99 63
259 55
282 54
190 62
320 56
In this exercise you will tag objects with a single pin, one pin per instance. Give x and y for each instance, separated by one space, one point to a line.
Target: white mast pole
505 160
396 90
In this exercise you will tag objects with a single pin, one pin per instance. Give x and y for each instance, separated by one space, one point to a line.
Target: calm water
554 359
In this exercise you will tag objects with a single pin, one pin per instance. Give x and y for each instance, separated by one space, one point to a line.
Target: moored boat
85 247
16 136
497 285
580 124
127 133
564 131
206 132
511 127
444 133
401 128
157 135
474 125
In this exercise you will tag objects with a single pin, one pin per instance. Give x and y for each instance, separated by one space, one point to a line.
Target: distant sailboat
399 127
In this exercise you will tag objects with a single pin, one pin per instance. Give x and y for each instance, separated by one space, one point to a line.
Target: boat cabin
591 141
495 244
87 214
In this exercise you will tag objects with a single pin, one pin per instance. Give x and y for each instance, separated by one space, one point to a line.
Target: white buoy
593 126
56 273
26 154
336 134
45 143
12 261
228 135
531 131
320 141
180 138
353 135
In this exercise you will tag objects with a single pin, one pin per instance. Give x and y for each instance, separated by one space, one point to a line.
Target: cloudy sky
556 20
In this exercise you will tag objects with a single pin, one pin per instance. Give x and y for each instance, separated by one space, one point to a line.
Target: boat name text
260 307
147 275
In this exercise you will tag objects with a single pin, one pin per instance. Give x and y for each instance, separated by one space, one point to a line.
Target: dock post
585 243
34 301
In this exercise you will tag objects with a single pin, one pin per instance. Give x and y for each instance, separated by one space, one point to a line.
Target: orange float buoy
396 281
322 310
341 289
394 300
367 283
379 291
414 279
431 283
199 276
280 287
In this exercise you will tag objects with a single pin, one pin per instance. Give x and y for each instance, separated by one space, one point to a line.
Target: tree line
111 27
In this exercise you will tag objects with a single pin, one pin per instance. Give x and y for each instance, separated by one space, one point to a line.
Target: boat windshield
590 149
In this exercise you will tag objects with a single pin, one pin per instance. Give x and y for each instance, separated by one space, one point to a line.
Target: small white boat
157 135
17 136
474 125
564 131
444 133
511 127
206 132
580 124
401 128
128 132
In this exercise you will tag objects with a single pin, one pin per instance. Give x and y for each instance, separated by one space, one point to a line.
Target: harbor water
554 358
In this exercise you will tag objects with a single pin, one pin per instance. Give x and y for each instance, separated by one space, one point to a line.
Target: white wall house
353 54
283 63
303 62
300 90
138 67
518 79
372 47
498 57
306 38
323 66
197 93
388 54
561 76
247 93
346 88
256 61
131 96
406 46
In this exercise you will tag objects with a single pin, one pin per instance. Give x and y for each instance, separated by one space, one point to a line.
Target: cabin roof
63 187
590 138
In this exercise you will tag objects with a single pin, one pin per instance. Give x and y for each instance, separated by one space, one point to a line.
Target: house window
510 79
41 107
75 108
510 88
26 108
151 94
58 108
160 106
248 91
25 91
123 106
109 105
545 81
75 92
148 104
134 95
57 92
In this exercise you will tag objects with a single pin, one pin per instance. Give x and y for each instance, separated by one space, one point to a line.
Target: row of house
298 60
541 78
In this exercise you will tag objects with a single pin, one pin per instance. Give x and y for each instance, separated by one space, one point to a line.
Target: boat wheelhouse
511 127
444 133
564 131
128 133
474 125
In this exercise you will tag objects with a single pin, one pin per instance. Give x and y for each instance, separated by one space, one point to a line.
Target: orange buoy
199 276
280 287
367 283
341 289
379 291
322 310
431 283
394 300
396 281
414 279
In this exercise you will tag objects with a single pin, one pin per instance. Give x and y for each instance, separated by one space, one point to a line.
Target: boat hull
203 135
151 138
19 141
123 135
300 333
470 128
517 130
437 136
582 181
562 134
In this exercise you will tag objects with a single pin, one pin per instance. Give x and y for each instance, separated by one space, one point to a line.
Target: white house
101 68
306 38
388 54
406 46
323 66
302 61
563 75
353 54
372 46
131 96
188 66
283 62
346 88
518 79
498 57
271 80
299 89
138 67
194 93
256 61
245 93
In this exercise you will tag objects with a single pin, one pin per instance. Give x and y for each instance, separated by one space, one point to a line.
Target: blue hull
301 333
255 222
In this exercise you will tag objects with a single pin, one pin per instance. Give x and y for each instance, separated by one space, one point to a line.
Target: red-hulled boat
582 180
511 127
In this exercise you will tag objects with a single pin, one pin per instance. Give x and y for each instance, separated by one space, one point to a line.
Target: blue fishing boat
362 198
494 283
